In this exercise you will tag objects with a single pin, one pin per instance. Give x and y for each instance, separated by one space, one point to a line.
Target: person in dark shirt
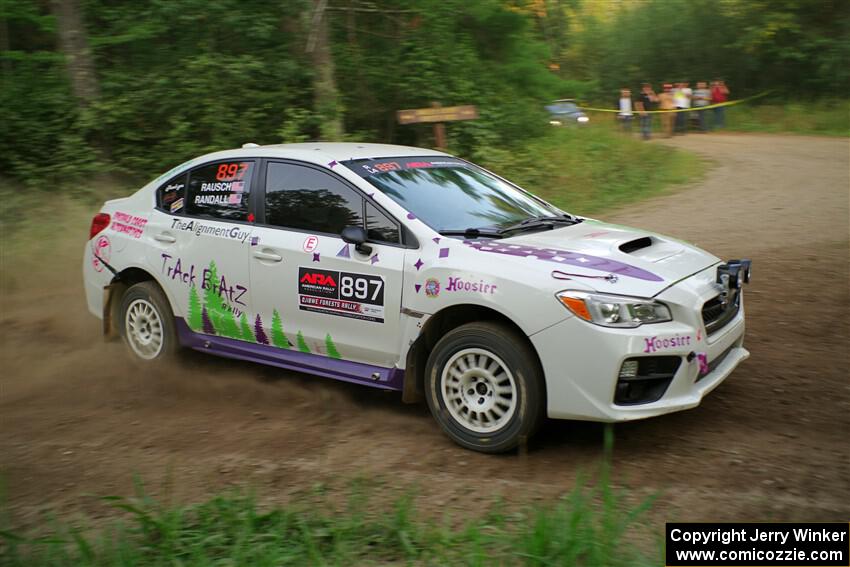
645 104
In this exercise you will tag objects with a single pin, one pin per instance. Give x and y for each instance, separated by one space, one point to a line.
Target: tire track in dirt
77 418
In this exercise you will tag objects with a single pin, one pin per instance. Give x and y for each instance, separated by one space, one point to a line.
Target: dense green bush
183 77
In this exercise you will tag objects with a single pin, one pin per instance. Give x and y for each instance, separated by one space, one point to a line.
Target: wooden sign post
438 114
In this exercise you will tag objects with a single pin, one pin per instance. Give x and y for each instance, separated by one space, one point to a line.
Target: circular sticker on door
311 243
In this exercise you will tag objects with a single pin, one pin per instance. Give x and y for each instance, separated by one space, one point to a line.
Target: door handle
163 237
267 256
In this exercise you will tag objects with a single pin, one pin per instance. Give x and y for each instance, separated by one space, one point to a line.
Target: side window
220 190
169 197
380 228
308 199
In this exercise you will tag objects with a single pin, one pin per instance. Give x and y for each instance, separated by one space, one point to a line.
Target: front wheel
147 323
484 387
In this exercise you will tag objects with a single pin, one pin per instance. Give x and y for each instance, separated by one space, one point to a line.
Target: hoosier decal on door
346 294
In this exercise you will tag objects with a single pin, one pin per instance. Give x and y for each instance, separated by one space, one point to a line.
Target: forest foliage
133 88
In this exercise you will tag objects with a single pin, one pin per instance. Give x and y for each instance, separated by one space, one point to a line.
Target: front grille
716 314
653 377
715 363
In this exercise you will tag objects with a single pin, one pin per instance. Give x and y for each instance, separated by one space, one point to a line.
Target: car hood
605 257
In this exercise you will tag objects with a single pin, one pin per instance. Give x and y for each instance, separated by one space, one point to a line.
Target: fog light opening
629 369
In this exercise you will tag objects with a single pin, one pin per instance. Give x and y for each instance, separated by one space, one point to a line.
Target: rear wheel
147 323
484 387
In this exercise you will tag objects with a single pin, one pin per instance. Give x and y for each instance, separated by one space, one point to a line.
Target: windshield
449 194
562 107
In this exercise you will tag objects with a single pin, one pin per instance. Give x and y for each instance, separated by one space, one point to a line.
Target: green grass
826 117
594 169
592 526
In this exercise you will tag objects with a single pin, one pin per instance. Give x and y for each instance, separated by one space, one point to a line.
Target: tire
484 386
147 323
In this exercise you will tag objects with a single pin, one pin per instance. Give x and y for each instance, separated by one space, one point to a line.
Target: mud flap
112 293
412 390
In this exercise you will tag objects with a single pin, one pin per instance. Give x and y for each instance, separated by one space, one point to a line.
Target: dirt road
773 442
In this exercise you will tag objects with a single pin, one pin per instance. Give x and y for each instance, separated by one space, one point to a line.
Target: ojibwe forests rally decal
345 294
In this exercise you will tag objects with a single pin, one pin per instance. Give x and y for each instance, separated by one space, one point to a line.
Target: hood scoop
635 245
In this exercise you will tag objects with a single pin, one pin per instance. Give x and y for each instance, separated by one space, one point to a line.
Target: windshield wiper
541 222
473 233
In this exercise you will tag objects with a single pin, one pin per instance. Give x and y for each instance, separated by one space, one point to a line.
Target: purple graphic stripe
357 372
565 257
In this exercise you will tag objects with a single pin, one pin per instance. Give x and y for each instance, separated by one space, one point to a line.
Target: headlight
583 119
614 311
555 122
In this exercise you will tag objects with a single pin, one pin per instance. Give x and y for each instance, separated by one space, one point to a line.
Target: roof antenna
250 145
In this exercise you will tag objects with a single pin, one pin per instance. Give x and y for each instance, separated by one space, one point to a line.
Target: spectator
624 106
665 102
646 104
702 97
719 94
682 98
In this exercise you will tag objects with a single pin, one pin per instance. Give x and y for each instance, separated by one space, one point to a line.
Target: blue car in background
565 112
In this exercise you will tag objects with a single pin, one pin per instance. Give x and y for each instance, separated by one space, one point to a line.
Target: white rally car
412 270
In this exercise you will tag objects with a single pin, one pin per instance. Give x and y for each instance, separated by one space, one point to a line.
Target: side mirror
357 235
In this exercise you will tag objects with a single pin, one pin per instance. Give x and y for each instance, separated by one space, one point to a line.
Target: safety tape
692 109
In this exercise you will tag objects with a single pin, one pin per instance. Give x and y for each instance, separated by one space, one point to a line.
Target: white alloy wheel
143 327
479 390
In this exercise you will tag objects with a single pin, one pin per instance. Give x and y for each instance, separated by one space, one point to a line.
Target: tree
278 338
259 332
207 326
302 344
229 327
73 42
195 319
325 95
331 347
212 298
246 334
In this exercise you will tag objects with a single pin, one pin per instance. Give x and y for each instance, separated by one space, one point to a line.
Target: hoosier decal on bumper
345 294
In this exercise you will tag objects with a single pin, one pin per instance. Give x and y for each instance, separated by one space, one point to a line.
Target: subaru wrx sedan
412 270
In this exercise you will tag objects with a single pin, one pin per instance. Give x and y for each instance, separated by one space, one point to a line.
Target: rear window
220 190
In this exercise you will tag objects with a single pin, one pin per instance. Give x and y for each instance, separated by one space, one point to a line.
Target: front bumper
582 362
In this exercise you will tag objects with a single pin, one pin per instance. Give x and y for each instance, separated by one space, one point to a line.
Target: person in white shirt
624 110
682 98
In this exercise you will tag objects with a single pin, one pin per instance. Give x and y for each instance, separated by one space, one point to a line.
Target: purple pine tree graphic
259 333
207 325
